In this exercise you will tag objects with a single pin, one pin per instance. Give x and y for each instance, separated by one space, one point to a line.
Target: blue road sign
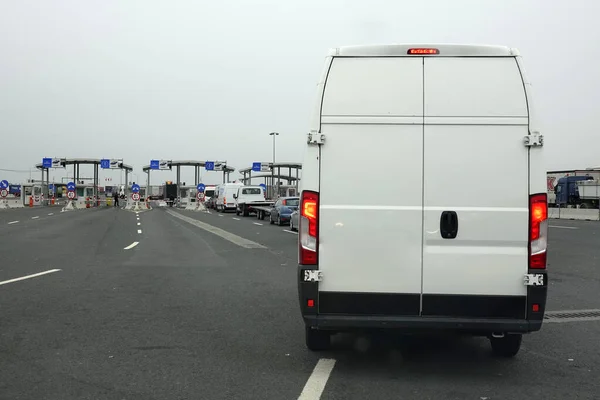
256 166
105 163
50 186
154 164
201 187
209 165
71 186
262 185
4 184
135 188
46 163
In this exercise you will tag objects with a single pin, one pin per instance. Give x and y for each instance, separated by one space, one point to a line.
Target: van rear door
370 246
476 175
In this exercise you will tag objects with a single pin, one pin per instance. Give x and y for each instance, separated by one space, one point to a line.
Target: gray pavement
188 314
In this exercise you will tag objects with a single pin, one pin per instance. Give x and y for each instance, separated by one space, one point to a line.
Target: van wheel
507 346
317 340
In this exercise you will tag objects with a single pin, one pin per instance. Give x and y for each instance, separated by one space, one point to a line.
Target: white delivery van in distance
225 200
460 246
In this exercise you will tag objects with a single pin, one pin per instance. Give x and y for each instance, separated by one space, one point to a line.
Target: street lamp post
273 167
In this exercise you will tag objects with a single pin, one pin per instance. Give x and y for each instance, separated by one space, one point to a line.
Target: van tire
507 346
317 340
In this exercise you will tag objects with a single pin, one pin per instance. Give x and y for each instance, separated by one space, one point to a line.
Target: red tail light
538 230
309 228
224 200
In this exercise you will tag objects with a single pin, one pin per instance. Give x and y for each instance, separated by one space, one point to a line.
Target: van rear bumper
421 324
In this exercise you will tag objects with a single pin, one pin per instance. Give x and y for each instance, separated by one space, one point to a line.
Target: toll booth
186 194
33 191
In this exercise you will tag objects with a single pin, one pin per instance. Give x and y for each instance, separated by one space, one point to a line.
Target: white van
460 245
225 200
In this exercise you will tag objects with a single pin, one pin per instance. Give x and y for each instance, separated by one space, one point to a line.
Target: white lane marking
29 276
258 223
35 217
13 222
139 223
237 219
131 246
139 231
50 213
295 233
235 239
563 227
318 379
220 215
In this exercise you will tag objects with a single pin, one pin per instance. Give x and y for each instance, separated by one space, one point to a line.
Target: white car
459 243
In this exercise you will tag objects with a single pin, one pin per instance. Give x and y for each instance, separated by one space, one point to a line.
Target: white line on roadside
35 217
29 276
139 231
237 219
13 222
563 227
50 213
220 215
233 238
131 246
318 379
258 223
288 231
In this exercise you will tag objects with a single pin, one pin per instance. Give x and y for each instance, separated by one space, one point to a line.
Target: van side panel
370 246
475 164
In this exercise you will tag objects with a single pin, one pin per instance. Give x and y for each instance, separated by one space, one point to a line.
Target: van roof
447 50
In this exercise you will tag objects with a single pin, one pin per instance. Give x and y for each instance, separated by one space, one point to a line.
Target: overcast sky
209 80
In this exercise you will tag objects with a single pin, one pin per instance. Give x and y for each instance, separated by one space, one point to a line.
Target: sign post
261 167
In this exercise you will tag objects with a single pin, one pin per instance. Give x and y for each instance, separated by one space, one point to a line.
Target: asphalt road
205 307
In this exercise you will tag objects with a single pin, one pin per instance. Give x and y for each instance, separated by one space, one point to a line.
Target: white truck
249 199
426 256
552 178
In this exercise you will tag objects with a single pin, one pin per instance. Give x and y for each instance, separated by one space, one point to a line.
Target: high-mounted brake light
309 227
538 230
423 51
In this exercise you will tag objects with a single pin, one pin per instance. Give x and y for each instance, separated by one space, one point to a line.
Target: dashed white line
220 215
50 213
288 231
318 379
29 276
131 246
237 219
13 222
563 227
258 223
139 223
139 231
35 217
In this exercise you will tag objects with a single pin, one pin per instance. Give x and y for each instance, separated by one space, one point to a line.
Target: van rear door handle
449 224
